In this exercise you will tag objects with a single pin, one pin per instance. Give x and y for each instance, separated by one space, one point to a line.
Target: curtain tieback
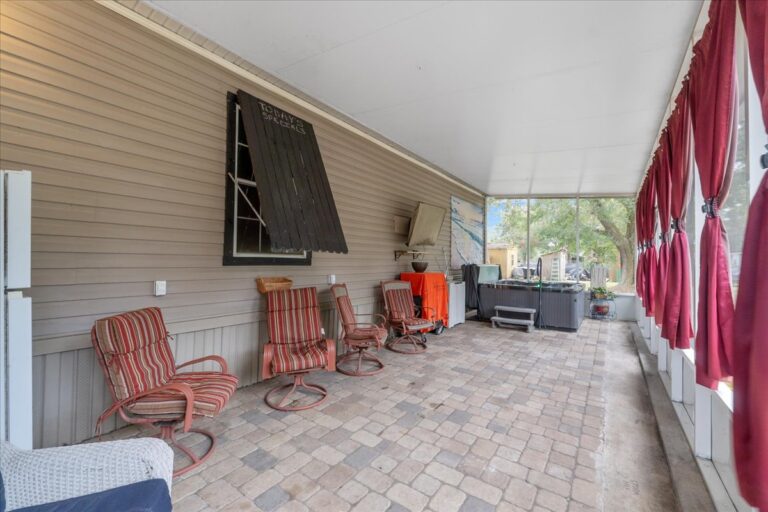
710 207
663 237
675 225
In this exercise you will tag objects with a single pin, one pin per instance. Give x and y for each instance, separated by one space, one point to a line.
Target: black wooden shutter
296 199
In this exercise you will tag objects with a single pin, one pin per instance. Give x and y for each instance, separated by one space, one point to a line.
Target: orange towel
433 290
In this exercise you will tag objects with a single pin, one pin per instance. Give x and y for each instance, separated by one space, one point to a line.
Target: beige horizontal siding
125 135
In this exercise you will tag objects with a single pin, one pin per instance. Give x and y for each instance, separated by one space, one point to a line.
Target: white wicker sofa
36 477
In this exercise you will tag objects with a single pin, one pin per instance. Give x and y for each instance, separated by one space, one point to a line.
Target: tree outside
606 228
736 206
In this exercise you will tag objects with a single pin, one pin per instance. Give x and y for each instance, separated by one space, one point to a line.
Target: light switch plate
331 279
159 288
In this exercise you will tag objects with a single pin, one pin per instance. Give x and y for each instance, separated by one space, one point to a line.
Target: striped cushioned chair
146 386
296 347
358 337
402 315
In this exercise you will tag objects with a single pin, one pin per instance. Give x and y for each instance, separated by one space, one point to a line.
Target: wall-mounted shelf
416 255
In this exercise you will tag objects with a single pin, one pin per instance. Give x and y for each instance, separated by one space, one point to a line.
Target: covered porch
493 419
542 223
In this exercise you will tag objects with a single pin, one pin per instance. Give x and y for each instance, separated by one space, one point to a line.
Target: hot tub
562 303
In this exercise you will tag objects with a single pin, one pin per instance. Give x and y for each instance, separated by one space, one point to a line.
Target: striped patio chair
296 347
358 337
403 317
146 386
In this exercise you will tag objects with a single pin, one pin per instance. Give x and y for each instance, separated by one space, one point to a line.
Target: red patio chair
358 337
296 346
402 315
146 386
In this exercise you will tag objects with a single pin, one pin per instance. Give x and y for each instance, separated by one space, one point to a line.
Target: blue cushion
147 496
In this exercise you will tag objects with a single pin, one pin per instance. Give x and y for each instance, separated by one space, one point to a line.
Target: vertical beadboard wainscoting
70 393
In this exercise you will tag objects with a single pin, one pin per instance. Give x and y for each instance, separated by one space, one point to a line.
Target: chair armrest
433 315
179 387
218 359
330 348
366 324
266 361
374 315
36 477
362 324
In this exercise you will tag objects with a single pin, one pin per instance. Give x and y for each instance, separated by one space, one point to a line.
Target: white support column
676 376
655 337
645 325
703 422
640 315
661 356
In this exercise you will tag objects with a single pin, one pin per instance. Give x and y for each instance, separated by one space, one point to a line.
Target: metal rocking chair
296 347
358 337
401 312
146 386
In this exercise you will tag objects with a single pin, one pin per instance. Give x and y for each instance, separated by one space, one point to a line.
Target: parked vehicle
576 272
524 272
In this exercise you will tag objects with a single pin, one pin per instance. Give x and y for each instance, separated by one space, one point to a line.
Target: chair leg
168 434
408 340
298 383
358 356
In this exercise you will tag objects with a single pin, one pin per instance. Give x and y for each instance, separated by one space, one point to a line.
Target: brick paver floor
486 419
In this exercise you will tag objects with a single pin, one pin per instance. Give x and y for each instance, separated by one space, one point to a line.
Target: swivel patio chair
402 314
146 386
358 337
296 347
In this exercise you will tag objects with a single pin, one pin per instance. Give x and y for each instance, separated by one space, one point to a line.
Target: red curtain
750 364
639 279
663 204
649 222
750 354
676 327
713 115
755 16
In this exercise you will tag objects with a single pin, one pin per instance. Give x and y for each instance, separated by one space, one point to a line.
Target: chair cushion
346 310
149 495
293 316
135 350
212 392
415 324
299 356
400 303
367 333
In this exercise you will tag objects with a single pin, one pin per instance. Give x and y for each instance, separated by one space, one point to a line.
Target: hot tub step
502 320
511 309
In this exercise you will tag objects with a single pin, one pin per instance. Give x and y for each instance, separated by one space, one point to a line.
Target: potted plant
599 293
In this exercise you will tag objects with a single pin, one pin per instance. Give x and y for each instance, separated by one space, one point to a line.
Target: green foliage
601 293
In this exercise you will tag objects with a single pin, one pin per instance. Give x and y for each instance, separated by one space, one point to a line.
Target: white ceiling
526 97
